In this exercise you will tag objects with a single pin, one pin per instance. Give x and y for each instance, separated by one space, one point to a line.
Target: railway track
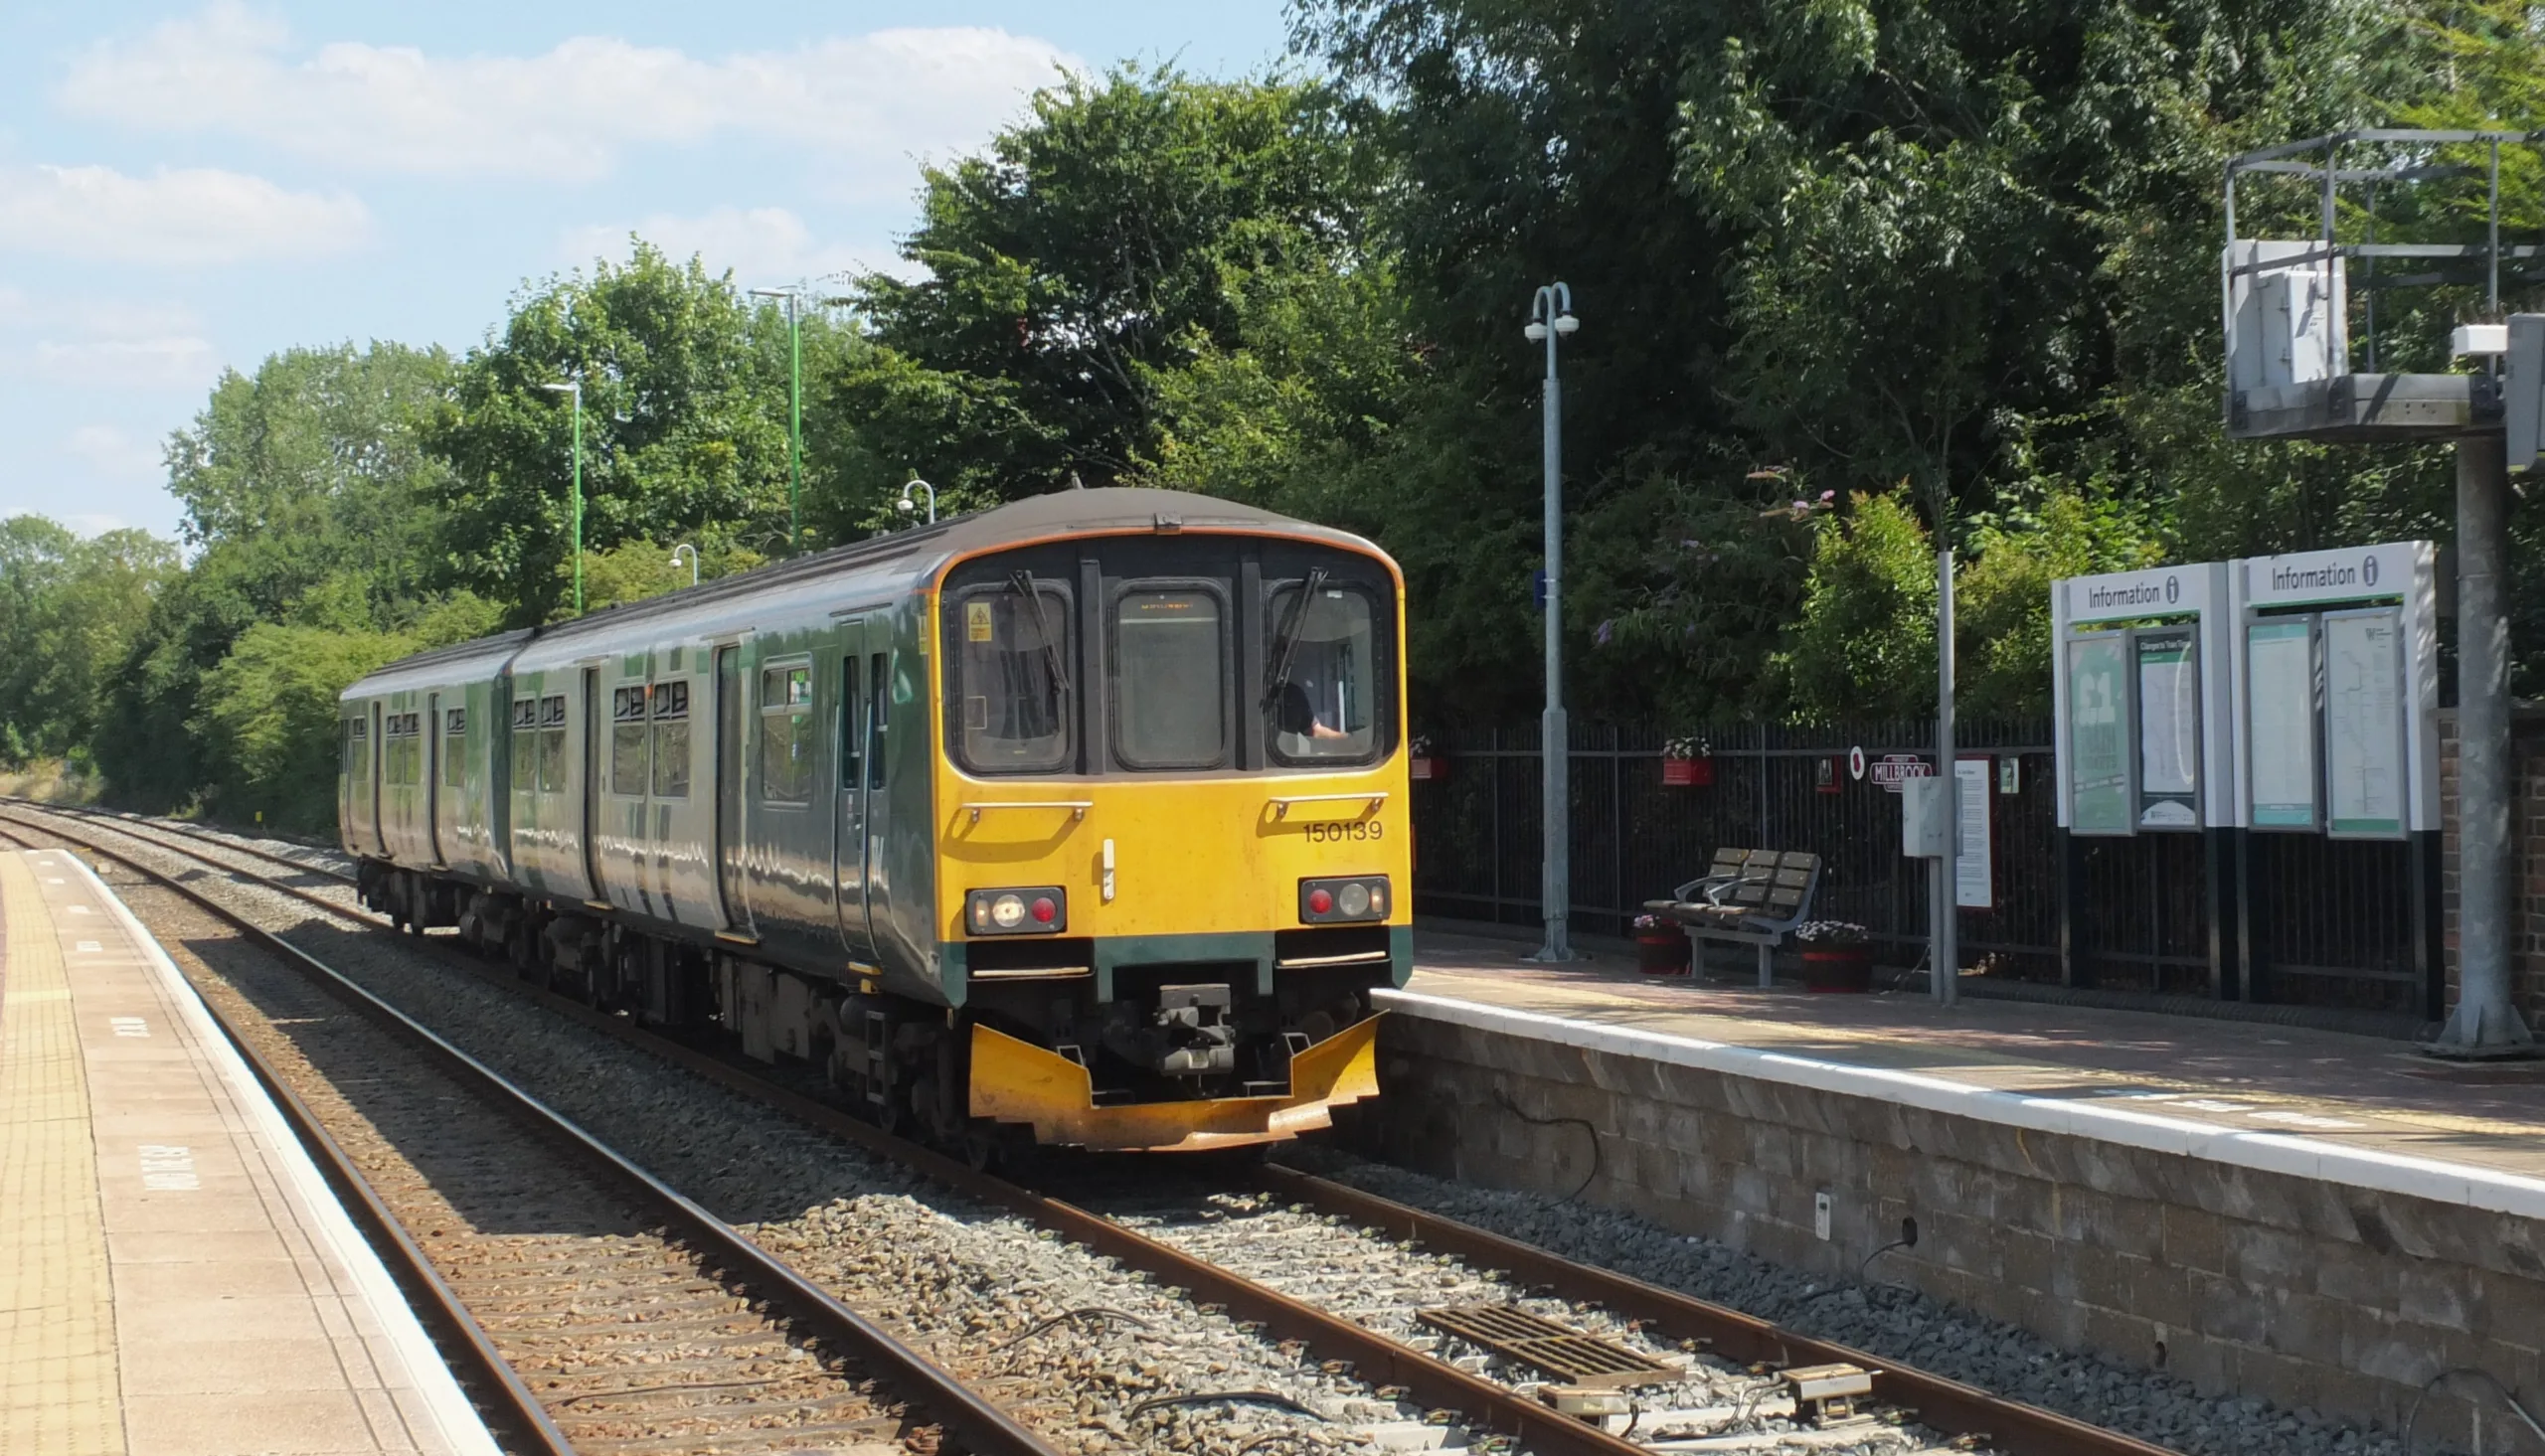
1371 1299
598 1310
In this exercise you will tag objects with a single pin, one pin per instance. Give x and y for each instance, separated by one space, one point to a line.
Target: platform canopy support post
2485 1022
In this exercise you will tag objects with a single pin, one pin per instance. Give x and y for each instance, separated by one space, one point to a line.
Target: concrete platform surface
176 1278
2347 1108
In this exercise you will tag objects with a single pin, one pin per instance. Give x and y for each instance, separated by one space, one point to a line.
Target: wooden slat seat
1748 898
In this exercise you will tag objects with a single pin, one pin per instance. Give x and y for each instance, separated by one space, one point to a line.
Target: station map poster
1974 864
2168 728
2279 691
2364 724
2099 788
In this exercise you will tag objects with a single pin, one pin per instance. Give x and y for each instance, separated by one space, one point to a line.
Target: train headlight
1339 901
1040 909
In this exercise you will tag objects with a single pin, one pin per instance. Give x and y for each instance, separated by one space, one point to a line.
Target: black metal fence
2298 919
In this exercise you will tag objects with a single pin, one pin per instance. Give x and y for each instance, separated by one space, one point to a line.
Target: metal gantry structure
2287 316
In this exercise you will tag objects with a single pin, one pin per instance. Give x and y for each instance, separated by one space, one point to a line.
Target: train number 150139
1335 831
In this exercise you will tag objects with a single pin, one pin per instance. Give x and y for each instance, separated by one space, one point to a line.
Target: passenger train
1083 819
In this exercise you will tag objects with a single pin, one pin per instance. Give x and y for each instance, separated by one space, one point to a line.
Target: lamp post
1551 319
919 484
576 388
693 560
794 415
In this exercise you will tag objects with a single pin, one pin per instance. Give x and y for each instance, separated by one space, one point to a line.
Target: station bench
1747 897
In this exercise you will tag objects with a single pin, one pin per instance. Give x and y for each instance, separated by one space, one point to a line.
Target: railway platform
2322 1220
175 1275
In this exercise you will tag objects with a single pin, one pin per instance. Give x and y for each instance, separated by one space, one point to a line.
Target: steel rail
1947 1405
125 821
515 1405
983 1426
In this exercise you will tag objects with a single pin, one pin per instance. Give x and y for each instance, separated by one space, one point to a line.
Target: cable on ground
1090 1312
1233 1398
2509 1397
1503 1099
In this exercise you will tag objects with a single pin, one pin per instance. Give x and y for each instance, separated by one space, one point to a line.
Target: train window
852 726
552 744
455 748
627 741
671 739
398 749
879 715
525 766
787 741
1011 685
1170 680
1321 674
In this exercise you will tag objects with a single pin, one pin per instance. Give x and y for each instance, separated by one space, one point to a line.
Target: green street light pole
794 415
576 388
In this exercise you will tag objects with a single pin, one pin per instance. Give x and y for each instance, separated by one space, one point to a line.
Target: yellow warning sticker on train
977 621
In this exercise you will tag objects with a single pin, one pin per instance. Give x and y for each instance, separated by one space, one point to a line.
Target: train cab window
455 748
627 741
552 744
1321 674
670 713
1011 689
787 738
1170 678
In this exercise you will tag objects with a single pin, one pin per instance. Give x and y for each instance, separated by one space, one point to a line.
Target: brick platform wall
2527 832
2302 1291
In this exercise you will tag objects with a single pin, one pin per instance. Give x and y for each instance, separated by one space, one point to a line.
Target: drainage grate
1569 1355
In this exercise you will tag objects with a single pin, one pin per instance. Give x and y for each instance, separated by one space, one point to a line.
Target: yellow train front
1081 819
1172 838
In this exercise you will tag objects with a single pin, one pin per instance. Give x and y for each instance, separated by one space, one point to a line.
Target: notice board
2098 706
2280 687
2170 742
2364 724
1974 864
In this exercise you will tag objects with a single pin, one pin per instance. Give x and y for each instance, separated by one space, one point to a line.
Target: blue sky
188 187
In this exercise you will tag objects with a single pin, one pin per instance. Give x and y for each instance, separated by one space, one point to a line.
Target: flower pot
1427 770
1687 774
1662 952
1837 968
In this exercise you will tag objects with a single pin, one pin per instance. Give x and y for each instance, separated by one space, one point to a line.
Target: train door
733 897
848 830
592 766
433 750
379 746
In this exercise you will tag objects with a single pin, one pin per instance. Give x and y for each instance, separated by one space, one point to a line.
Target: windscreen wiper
1022 581
1287 645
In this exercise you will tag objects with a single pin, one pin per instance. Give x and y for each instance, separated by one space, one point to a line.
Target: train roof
899 554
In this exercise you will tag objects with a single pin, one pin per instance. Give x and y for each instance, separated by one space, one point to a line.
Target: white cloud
120 343
114 456
865 101
762 246
191 216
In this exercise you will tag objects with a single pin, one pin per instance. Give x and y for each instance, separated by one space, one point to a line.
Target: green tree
268 718
1109 239
685 425
70 610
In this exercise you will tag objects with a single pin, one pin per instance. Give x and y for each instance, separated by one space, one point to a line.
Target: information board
1974 865
2170 743
2364 767
2280 687
2098 777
